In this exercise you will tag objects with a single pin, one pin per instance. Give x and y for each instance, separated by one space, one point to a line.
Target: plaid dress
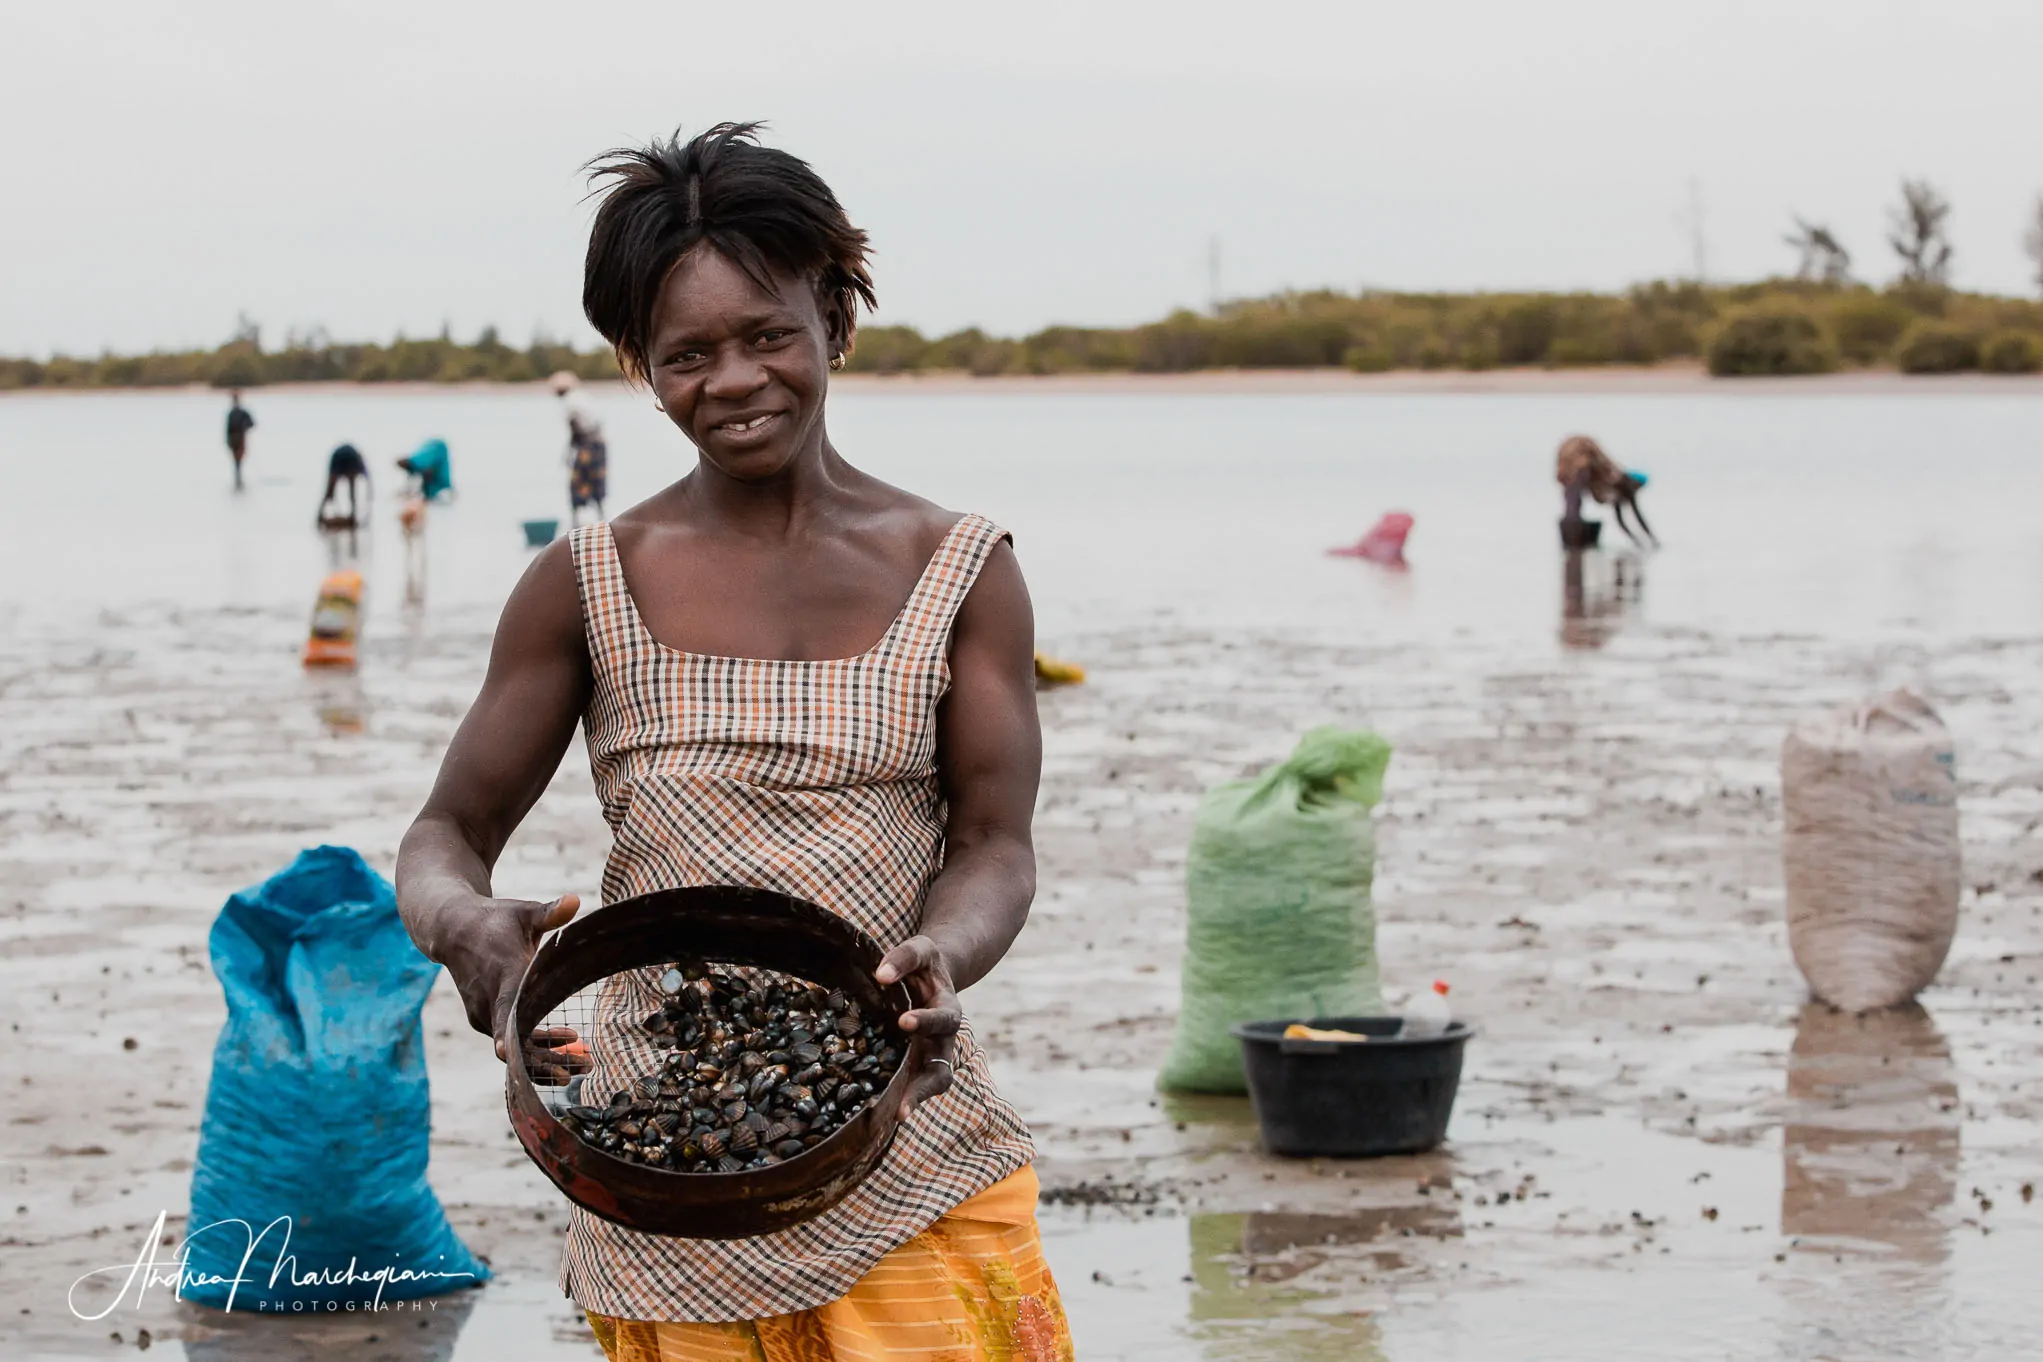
816 779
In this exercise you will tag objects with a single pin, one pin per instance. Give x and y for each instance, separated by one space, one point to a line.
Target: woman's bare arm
990 760
1640 516
498 764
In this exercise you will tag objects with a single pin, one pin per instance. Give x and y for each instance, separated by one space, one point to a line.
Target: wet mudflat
1659 1150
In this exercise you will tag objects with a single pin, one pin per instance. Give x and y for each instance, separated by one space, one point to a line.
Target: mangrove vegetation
1820 319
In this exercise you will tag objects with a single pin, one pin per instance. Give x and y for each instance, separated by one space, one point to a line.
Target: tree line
244 362
1819 318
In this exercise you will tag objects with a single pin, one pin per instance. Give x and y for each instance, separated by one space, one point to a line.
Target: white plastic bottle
1427 1014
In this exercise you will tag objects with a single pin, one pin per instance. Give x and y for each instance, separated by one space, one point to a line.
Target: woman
588 455
344 465
1583 469
432 465
718 643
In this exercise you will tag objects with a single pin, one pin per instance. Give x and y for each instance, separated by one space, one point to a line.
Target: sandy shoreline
1587 842
1657 379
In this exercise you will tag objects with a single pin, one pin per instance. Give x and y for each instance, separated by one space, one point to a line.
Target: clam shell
747 1071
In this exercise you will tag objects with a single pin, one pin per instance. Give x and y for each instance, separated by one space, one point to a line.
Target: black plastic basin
1585 534
1351 1099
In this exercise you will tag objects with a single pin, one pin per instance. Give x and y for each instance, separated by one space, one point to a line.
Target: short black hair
760 207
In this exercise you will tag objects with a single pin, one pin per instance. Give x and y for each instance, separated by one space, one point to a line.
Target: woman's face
742 370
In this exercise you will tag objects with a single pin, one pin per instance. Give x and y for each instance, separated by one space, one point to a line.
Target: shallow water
1581 830
1865 515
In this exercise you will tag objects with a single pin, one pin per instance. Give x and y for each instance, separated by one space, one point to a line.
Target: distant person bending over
1583 469
588 456
429 463
345 464
239 423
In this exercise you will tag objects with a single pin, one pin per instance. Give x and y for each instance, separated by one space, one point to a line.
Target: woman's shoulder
902 516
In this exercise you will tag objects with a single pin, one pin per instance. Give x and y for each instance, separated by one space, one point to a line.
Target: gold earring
837 360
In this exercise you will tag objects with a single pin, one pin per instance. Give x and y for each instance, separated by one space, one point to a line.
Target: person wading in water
588 455
344 466
1583 469
239 423
789 675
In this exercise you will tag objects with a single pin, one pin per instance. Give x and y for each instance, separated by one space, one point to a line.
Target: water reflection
343 545
1871 1145
339 701
1598 593
411 518
1248 1302
413 1331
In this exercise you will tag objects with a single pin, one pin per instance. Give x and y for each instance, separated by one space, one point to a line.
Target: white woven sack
1870 801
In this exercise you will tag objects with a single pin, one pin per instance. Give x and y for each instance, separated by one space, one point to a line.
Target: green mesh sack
1278 919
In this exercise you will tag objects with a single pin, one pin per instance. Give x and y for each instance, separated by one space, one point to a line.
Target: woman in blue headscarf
428 463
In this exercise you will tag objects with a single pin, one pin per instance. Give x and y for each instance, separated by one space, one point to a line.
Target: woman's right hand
487 947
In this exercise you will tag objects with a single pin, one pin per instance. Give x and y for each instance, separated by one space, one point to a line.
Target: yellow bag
1051 672
336 618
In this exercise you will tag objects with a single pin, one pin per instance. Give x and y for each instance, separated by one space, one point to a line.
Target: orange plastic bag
336 618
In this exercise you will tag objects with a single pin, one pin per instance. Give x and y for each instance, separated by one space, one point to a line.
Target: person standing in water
588 456
1583 469
239 423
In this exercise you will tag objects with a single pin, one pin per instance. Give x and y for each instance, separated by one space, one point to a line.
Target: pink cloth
1383 544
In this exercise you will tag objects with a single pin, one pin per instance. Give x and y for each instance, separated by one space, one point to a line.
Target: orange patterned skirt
973 1287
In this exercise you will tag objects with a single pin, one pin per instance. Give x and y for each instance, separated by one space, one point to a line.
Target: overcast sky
399 166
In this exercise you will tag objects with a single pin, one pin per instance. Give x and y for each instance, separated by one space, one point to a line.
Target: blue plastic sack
310 1188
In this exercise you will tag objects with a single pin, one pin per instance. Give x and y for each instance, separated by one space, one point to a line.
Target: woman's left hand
933 1025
